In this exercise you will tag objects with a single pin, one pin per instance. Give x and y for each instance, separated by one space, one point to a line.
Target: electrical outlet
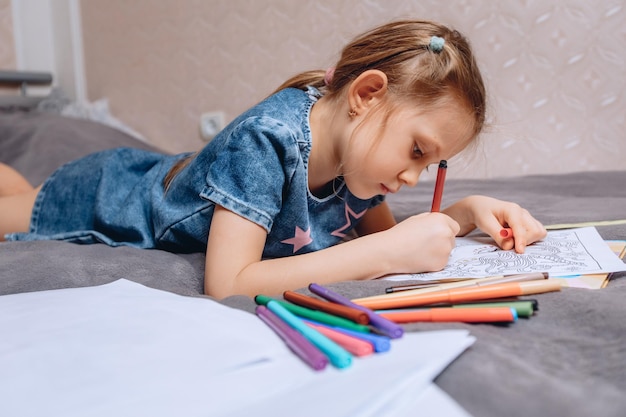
211 123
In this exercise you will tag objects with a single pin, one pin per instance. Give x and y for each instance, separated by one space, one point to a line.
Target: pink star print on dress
350 216
300 239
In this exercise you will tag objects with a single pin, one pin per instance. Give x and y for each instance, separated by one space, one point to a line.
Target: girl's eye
417 152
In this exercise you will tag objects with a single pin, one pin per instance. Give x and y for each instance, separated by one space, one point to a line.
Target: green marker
315 315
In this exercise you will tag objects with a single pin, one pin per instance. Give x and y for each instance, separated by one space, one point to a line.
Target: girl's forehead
448 114
449 125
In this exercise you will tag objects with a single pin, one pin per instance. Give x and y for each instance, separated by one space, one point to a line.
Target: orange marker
350 313
456 314
506 232
459 295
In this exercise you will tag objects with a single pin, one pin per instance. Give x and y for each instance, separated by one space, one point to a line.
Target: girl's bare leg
15 212
12 182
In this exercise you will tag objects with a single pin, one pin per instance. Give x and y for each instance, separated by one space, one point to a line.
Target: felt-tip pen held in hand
441 178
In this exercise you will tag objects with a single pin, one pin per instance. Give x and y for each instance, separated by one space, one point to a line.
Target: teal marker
315 315
337 355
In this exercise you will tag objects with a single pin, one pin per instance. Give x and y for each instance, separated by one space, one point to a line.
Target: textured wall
7 47
555 70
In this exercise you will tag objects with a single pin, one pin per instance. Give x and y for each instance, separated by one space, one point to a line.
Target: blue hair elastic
436 44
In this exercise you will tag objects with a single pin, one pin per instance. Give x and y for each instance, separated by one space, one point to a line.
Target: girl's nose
410 176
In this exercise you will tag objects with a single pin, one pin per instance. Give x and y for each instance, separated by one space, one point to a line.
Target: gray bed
568 360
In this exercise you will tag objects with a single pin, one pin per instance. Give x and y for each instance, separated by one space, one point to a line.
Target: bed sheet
570 359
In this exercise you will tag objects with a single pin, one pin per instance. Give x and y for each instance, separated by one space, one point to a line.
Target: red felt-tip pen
441 177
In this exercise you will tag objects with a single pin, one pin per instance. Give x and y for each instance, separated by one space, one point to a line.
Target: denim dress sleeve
260 157
248 170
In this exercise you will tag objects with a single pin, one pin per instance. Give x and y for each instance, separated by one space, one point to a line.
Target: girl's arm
491 215
235 246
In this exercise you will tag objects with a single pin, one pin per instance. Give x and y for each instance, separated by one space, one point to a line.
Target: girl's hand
421 243
492 215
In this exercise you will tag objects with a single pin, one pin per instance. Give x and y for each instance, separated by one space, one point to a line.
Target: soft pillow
36 143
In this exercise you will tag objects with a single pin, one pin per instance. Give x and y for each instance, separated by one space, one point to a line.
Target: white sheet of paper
562 252
123 349
432 401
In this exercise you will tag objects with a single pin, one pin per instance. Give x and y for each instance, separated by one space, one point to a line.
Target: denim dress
256 167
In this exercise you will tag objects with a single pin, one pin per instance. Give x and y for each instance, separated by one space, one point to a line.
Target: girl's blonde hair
402 51
414 71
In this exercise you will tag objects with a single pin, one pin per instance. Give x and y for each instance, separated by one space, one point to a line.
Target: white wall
48 38
554 69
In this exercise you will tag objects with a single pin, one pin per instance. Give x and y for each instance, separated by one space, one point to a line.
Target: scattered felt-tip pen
314 314
381 343
451 314
383 325
338 356
459 295
349 313
299 344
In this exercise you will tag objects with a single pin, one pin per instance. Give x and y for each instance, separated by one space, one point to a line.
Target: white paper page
562 252
148 316
125 350
373 385
432 401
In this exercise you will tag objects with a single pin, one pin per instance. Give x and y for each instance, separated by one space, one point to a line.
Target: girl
270 198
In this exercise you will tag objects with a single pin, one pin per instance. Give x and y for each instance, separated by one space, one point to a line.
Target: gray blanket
568 360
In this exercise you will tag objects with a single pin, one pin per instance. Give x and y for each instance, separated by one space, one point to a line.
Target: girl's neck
324 161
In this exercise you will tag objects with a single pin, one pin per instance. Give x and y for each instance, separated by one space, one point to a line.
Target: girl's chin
366 193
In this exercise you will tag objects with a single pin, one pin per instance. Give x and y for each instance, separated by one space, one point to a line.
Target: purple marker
388 327
296 341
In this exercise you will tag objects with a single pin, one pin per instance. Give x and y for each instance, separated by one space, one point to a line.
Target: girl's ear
367 90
